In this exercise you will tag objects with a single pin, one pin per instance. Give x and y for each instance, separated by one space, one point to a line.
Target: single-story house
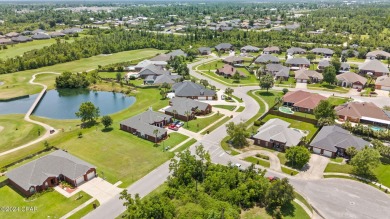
224 47
204 50
323 64
177 52
250 49
233 60
267 58
344 67
275 133
152 70
271 49
56 34
363 112
305 76
323 51
373 67
48 171
350 79
383 83
298 63
40 36
295 50
72 30
302 101
193 90
21 39
12 34
332 141
350 53
273 68
161 79
6 41
36 31
378 54
148 125
180 106
161 57
283 73
228 71
146 62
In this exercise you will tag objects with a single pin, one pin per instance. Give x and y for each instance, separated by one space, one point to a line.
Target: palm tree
155 132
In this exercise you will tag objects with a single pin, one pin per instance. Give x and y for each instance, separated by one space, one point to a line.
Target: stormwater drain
351 203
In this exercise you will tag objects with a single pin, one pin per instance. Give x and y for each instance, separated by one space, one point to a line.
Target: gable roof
40 36
51 165
375 66
362 110
277 130
383 81
271 67
332 137
250 48
294 50
230 70
264 58
161 57
307 74
323 51
57 34
223 46
182 105
165 78
146 62
177 52
204 49
232 59
303 99
351 77
191 89
21 38
298 61
283 72
378 53
153 70
344 65
271 49
323 63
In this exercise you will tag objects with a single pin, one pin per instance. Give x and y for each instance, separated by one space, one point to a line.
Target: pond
62 104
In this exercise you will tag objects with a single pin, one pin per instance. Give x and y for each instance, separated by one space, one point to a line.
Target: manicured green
20 154
282 158
382 172
185 145
336 101
303 200
305 115
227 107
16 131
327 87
240 109
261 162
110 74
49 205
262 110
288 171
238 99
337 159
211 65
16 84
246 81
84 211
173 140
289 83
339 168
226 147
261 213
201 123
216 125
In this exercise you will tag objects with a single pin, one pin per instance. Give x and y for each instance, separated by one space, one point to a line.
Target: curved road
332 198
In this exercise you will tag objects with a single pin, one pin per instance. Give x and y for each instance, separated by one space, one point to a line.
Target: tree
266 82
106 121
311 57
118 76
298 156
280 193
229 91
236 77
285 91
88 112
351 151
187 114
325 110
382 149
155 132
237 133
163 94
325 121
365 161
329 74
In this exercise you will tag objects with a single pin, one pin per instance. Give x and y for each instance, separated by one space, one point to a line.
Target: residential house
72 30
295 50
327 53
344 67
249 48
6 41
153 70
177 52
271 49
187 109
298 63
306 76
12 34
378 54
56 34
373 67
283 74
146 62
204 50
350 79
323 64
49 171
148 125
350 53
267 58
332 141
224 47
161 79
363 112
273 68
193 90
228 71
161 58
302 101
383 83
276 134
233 60
37 31
21 39
41 36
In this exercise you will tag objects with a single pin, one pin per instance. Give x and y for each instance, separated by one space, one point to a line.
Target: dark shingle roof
21 38
298 61
266 58
177 52
181 105
190 89
224 46
40 36
323 51
204 49
250 48
294 50
153 70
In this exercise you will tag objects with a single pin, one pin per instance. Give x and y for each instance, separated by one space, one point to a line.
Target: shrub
265 157
257 123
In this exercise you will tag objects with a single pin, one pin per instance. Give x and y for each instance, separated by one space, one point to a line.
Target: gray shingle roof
204 49
322 51
53 164
273 67
57 34
323 63
181 105
190 89
250 48
266 58
375 66
351 77
21 38
224 46
284 72
294 50
161 57
72 30
165 78
298 61
152 70
383 81
177 52
40 36
330 137
378 53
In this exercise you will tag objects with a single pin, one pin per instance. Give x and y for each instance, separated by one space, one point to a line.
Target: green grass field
227 107
173 140
216 125
260 162
336 101
261 213
201 123
84 211
49 205
16 131
327 87
16 84
240 109
186 145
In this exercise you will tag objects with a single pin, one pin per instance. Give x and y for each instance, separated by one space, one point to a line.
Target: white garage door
90 175
316 150
385 88
327 153
79 180
201 98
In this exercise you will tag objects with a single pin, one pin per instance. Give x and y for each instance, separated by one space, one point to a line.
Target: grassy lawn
186 145
226 147
227 107
249 80
294 211
16 84
289 83
84 211
216 125
47 79
238 99
305 115
269 96
261 162
174 139
337 159
201 123
240 109
289 171
303 200
16 131
327 87
49 205
282 158
338 168
111 74
295 124
211 65
336 101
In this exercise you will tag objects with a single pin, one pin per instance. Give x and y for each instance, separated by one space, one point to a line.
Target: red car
173 127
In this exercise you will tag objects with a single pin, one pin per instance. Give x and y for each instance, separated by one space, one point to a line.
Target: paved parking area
100 189
315 168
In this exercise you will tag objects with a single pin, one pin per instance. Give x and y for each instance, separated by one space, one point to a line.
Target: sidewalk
273 159
78 208
361 178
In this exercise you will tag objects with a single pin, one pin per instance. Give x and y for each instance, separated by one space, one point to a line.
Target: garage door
356 86
316 150
385 88
90 175
79 180
327 154
201 98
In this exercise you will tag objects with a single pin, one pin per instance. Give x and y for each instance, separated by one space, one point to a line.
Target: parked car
273 178
173 127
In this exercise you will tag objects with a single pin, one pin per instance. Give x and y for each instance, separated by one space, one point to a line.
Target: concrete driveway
315 168
301 86
100 189
273 159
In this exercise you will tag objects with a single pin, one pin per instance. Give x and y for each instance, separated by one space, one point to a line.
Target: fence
292 116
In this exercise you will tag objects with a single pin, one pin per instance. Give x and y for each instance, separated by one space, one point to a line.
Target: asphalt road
332 198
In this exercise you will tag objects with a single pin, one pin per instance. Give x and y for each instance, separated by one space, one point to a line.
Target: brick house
179 106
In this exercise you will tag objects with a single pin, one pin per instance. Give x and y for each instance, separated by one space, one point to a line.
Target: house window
32 190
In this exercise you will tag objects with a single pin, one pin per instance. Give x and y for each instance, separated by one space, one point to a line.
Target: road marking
222 154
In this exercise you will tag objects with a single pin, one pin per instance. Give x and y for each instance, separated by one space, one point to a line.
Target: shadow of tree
109 129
